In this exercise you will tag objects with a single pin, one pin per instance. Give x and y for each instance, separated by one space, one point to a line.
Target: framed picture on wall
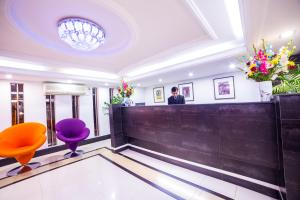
224 88
186 90
159 95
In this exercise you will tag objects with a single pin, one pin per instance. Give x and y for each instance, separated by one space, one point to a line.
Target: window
75 106
17 103
50 113
95 111
111 94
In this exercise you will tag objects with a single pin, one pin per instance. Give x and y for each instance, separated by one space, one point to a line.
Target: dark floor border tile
177 178
143 179
118 150
42 152
249 185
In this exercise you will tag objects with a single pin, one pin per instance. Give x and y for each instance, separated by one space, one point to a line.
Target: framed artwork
186 90
224 88
159 95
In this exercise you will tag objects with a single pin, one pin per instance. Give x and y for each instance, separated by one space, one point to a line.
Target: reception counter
237 142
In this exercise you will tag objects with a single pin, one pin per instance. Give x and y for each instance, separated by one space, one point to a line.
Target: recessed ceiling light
106 84
232 66
139 85
160 80
191 74
286 34
8 76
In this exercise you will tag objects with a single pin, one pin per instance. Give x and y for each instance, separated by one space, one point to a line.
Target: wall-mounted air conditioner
65 89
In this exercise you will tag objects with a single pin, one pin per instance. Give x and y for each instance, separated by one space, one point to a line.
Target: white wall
245 90
138 95
5 105
35 104
103 96
86 112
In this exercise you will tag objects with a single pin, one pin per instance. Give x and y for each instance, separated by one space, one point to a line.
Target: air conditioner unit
65 89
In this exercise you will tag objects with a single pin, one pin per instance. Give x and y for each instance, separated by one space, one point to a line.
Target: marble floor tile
227 189
93 178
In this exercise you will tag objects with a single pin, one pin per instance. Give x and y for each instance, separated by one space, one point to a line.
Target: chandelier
81 34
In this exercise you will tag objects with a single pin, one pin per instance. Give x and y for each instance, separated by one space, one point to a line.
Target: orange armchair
20 142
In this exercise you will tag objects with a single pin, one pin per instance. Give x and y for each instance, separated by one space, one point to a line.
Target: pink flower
263 68
125 85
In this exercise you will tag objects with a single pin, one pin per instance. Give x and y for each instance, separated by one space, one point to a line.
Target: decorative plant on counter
266 66
123 97
289 83
125 90
116 99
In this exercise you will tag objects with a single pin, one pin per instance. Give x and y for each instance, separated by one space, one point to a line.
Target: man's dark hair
174 89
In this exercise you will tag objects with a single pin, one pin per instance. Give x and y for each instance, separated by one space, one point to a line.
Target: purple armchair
72 131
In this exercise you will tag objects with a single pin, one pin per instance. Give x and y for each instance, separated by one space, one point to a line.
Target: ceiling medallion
81 34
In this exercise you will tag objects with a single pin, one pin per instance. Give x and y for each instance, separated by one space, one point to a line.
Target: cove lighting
18 64
196 54
233 11
88 73
81 34
8 76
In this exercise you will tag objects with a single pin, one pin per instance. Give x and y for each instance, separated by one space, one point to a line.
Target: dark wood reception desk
242 138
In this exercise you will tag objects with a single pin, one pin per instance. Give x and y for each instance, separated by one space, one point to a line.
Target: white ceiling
146 40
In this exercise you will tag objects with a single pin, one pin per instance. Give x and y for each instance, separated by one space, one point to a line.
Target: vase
127 101
265 90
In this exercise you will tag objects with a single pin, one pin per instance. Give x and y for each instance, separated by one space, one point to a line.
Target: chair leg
73 154
23 168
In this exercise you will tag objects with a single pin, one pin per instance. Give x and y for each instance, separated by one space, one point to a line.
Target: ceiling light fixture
139 85
191 74
160 80
286 34
81 34
232 66
69 81
8 76
106 84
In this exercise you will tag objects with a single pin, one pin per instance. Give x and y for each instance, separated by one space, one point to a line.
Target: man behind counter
175 98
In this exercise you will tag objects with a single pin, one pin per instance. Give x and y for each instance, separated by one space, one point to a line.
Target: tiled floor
49 158
101 174
219 186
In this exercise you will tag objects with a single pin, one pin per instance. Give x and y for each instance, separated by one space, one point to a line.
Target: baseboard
8 161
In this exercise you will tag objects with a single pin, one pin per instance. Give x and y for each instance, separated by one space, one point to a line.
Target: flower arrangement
125 90
267 65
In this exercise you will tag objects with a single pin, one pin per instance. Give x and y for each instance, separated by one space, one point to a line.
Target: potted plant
125 91
266 66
